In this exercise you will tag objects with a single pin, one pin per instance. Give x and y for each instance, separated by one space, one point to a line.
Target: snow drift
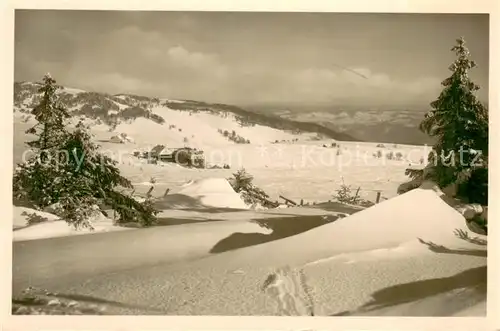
31 224
354 265
401 257
205 193
24 216
396 224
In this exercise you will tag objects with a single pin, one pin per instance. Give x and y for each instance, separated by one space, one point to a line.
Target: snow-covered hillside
198 129
114 110
292 163
409 255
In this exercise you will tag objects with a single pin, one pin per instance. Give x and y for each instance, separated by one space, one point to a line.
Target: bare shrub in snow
345 195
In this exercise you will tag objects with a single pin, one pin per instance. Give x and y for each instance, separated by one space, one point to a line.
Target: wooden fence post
288 200
357 193
378 197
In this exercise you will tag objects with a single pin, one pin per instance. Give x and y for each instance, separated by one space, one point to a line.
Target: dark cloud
249 58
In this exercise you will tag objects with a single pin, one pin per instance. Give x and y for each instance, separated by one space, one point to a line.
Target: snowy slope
391 228
406 240
399 258
213 192
30 224
123 108
296 167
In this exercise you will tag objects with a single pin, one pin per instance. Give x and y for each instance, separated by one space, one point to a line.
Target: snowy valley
213 254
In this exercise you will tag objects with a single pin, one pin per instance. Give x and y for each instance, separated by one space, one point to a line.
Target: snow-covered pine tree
72 172
242 183
36 179
459 122
101 178
344 194
241 180
50 115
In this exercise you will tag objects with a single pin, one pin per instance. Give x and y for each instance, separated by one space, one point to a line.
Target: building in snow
117 139
162 153
121 138
185 156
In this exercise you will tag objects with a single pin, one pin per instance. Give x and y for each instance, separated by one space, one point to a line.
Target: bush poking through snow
69 170
345 195
232 136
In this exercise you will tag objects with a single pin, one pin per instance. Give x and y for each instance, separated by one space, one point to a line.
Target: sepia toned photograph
223 163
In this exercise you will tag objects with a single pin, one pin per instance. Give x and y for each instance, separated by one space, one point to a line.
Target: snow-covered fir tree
459 122
242 183
50 115
67 170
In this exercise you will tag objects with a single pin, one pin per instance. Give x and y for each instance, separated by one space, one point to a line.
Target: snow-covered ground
402 257
405 256
298 167
280 169
30 224
300 170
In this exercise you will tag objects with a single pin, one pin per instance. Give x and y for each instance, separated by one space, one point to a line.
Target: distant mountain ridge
384 124
115 109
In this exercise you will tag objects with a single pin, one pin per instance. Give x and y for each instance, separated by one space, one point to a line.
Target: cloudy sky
250 58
